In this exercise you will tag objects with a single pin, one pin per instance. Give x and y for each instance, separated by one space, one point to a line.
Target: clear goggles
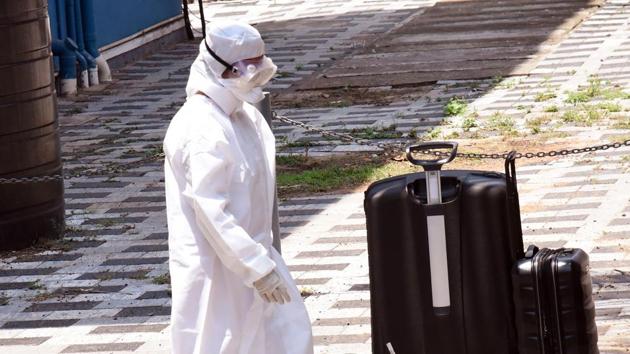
255 71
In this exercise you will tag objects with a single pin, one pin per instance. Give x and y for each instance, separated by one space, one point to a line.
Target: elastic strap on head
218 58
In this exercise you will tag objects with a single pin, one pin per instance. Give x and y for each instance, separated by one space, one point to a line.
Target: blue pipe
72 32
66 51
79 34
89 28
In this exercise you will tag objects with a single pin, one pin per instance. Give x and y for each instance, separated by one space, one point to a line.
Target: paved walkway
104 288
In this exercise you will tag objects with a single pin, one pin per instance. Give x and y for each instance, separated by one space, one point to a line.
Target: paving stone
61 306
23 341
317 267
157 236
59 257
16 285
38 324
333 253
342 321
134 261
341 338
157 294
113 275
102 347
147 248
129 329
141 311
348 304
26 271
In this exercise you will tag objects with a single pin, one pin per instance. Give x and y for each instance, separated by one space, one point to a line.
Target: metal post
264 107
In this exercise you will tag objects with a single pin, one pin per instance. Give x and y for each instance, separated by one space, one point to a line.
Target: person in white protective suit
231 291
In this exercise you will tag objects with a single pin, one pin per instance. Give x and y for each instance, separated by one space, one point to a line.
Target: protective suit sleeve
208 174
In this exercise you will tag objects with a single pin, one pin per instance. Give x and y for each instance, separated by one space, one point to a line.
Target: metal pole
264 107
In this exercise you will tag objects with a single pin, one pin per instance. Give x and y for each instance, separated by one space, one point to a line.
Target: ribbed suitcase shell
555 312
482 246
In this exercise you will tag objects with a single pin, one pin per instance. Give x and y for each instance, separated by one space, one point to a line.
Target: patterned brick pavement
103 289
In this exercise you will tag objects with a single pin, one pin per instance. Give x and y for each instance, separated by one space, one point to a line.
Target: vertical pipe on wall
84 81
92 70
89 29
65 49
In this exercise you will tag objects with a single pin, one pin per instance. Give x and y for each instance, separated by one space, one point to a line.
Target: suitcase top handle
432 165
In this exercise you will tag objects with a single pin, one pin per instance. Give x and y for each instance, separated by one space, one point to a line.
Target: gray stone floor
104 289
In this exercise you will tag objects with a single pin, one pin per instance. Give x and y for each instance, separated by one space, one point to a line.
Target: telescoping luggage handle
436 228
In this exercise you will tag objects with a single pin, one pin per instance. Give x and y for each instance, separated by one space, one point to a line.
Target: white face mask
248 87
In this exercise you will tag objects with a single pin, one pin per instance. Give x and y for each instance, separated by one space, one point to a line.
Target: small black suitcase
555 312
441 249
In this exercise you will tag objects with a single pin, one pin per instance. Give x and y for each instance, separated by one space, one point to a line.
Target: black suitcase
555 312
463 305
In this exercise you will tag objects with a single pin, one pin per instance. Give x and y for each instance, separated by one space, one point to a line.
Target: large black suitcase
554 306
474 313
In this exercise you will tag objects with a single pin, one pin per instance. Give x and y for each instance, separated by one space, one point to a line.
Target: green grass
611 107
544 96
330 177
36 286
376 133
502 123
291 160
585 115
535 124
455 106
162 279
578 97
433 134
622 124
551 109
470 122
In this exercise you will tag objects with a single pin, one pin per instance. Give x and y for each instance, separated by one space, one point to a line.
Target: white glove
272 289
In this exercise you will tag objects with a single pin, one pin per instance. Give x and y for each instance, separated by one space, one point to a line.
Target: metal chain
328 133
332 134
528 155
100 172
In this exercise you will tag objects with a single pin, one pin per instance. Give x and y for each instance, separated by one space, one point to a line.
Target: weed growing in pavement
624 123
501 122
470 121
299 67
577 97
611 107
544 96
535 124
615 93
162 279
36 285
551 109
455 106
586 115
138 276
433 134
299 144
452 135
281 74
413 133
4 301
497 80
375 133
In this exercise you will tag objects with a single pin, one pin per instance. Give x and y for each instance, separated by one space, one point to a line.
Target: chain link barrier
528 155
326 133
